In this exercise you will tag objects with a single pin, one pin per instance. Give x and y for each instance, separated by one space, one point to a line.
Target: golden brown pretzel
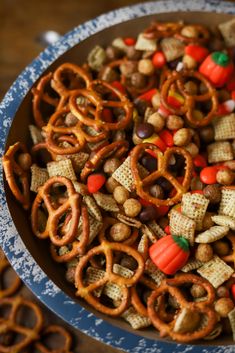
178 79
203 35
11 324
107 248
159 30
203 307
55 331
40 95
163 163
14 171
115 149
76 78
55 213
96 104
77 246
15 282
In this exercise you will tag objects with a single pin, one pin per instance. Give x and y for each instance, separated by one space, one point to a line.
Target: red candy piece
200 161
158 59
119 86
208 174
162 210
95 182
167 137
129 41
197 52
174 102
233 291
147 96
167 230
197 192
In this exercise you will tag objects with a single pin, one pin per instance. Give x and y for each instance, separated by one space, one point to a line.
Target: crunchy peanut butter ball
182 137
197 291
212 193
111 165
25 161
120 232
132 207
225 177
111 184
174 122
121 194
157 120
223 306
146 67
204 252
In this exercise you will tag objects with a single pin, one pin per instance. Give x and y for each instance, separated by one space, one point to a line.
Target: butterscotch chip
220 152
216 271
38 177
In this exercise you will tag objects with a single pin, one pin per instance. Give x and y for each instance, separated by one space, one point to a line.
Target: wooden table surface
22 22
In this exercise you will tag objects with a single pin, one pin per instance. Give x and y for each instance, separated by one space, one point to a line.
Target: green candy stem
220 58
182 242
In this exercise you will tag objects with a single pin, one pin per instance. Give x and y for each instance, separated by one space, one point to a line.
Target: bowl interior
19 132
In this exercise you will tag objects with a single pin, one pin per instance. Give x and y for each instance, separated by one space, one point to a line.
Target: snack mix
130 177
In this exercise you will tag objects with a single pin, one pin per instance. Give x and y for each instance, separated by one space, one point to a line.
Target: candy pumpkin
217 67
170 253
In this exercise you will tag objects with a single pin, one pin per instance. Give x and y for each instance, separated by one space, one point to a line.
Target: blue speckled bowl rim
13 246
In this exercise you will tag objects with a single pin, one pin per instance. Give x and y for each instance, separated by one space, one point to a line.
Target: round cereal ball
111 184
182 137
146 67
132 207
197 291
174 122
111 165
25 161
120 232
222 292
157 120
204 252
225 177
212 193
223 306
221 247
121 194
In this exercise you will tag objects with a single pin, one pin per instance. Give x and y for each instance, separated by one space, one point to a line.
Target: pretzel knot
116 149
97 97
69 208
176 82
15 282
55 331
143 185
15 173
208 316
107 249
10 324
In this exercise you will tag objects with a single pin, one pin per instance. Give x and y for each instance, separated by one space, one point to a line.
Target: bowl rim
17 253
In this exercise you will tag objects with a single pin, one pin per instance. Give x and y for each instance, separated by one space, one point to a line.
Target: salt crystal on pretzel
93 275
172 48
231 317
63 168
136 320
157 230
124 176
227 204
153 272
216 271
106 202
192 264
223 220
227 31
212 234
224 127
94 228
182 226
92 207
194 206
38 177
145 44
220 152
132 222
35 134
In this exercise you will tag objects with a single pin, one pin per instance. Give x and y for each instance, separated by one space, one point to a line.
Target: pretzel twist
116 149
169 286
10 324
57 331
97 104
178 79
15 282
56 212
163 162
12 170
107 248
